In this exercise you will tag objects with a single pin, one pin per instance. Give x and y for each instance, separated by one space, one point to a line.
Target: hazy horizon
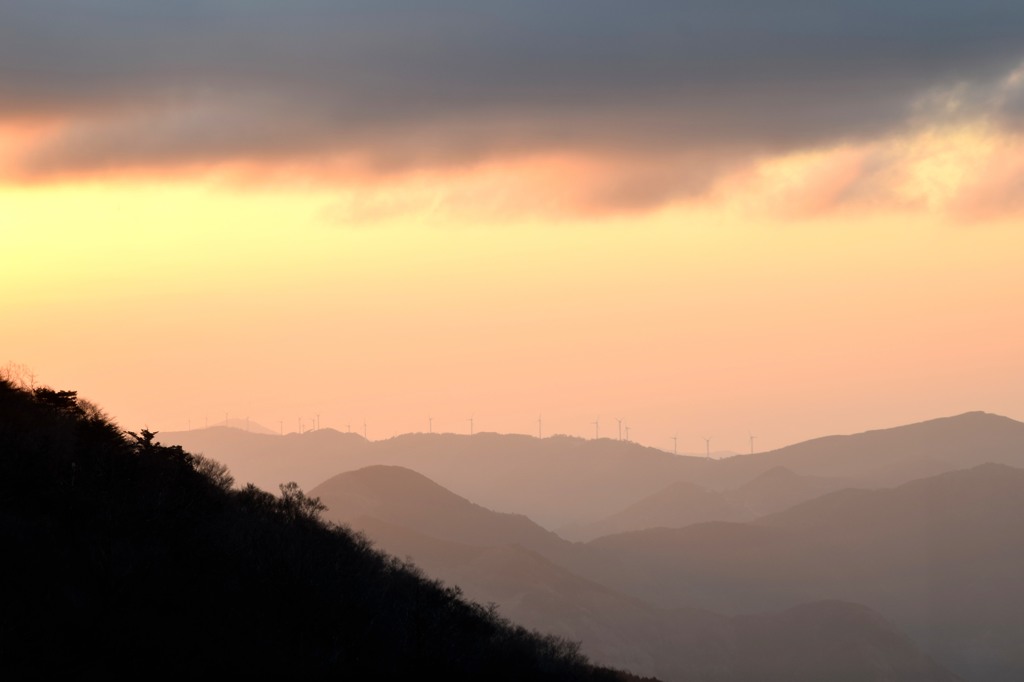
309 426
689 442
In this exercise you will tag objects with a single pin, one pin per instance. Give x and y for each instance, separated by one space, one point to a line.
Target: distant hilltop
247 425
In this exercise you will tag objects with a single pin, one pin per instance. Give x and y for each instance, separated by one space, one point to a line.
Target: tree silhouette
122 555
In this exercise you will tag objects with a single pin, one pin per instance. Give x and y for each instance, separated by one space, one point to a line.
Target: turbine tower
430 423
707 448
675 444
540 429
752 437
620 427
627 433
597 428
364 429
470 420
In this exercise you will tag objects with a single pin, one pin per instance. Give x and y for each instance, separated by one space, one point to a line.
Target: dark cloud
408 83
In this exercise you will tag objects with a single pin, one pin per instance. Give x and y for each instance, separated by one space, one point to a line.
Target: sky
705 219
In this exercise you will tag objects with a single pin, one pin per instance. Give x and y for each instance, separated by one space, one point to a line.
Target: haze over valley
905 540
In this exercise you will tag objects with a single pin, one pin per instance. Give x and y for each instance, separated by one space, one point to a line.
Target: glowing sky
791 220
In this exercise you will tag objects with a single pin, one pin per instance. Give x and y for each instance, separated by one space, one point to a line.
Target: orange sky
762 306
245 214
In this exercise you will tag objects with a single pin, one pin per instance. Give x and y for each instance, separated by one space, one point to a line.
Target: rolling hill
522 569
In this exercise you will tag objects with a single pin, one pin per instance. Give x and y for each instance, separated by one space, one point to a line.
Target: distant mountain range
682 503
917 526
564 482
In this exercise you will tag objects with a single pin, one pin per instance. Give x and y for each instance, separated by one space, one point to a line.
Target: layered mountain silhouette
679 504
941 556
568 482
406 498
779 488
555 481
916 523
508 560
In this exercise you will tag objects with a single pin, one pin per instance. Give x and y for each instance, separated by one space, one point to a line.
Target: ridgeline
126 557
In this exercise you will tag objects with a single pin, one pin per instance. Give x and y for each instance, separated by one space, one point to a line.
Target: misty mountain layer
917 523
562 481
537 578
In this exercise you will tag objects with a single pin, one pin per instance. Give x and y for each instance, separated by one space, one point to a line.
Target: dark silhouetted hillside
124 557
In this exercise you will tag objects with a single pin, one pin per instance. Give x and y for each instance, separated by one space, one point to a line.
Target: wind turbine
620 427
364 429
627 433
707 447
752 437
470 420
675 444
597 428
430 424
540 430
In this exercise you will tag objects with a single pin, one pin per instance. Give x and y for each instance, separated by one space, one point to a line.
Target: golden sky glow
701 223
768 306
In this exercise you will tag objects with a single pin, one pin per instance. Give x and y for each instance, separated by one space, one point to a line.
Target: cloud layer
681 89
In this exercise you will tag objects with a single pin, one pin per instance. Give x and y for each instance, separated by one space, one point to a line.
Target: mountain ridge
558 481
541 586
